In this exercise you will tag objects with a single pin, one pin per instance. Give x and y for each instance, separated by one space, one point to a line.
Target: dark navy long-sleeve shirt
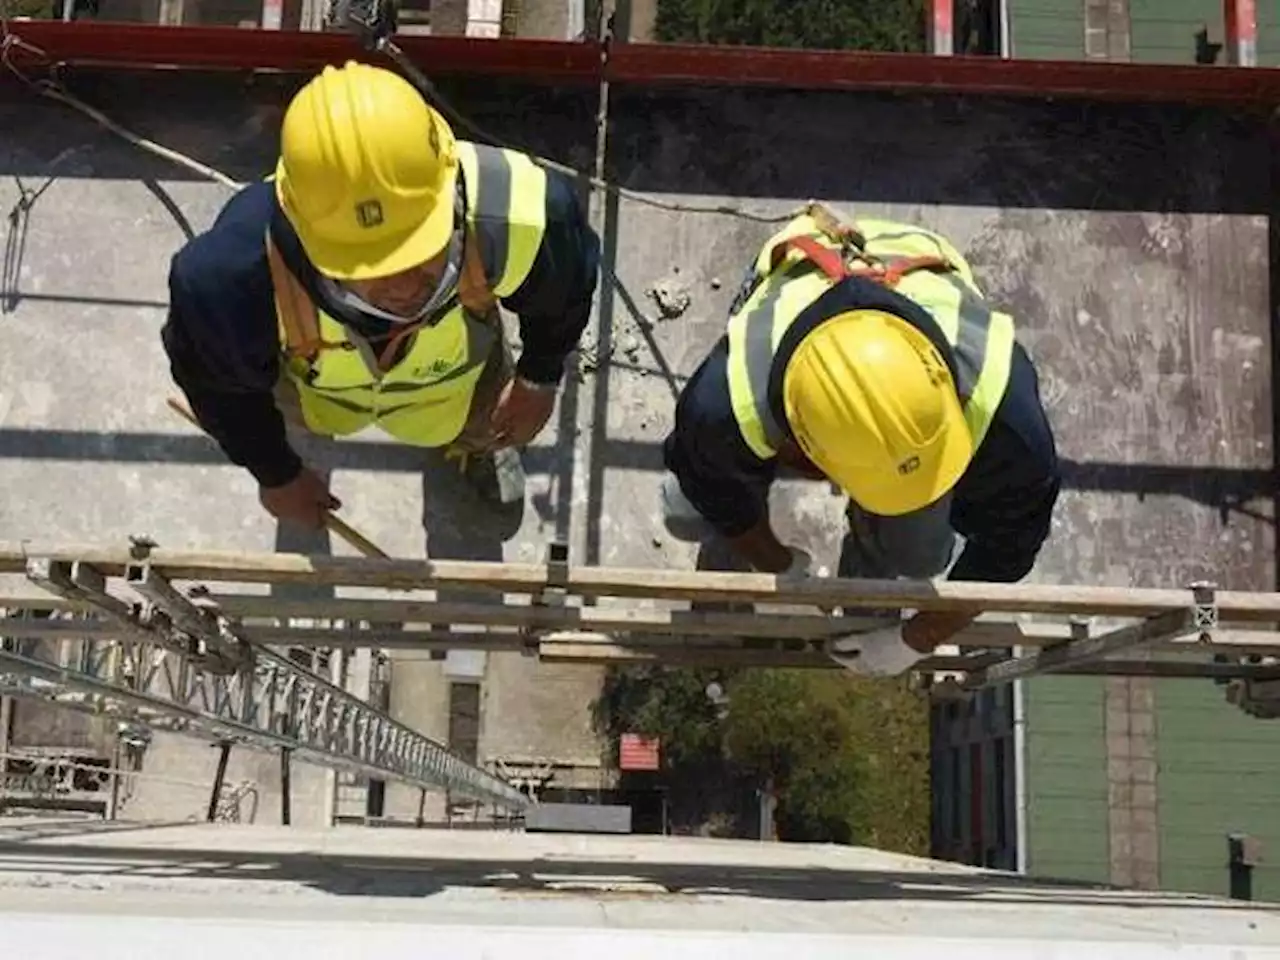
1002 505
222 339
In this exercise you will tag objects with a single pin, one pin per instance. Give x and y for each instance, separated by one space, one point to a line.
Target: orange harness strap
849 238
474 292
301 320
297 311
836 268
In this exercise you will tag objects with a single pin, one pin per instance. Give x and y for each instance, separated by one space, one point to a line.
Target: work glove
876 653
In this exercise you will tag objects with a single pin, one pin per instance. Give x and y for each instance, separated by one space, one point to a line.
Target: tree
790 731
882 25
846 757
669 704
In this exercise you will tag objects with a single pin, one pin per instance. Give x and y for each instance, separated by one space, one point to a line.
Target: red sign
637 753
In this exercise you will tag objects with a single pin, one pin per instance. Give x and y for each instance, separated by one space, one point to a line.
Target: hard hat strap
297 312
443 292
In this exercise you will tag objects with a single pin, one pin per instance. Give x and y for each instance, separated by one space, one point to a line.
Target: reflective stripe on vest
424 399
981 339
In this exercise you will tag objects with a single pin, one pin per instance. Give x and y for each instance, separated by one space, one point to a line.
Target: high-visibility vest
425 397
812 253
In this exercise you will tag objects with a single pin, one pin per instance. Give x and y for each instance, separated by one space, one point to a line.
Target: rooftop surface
640 885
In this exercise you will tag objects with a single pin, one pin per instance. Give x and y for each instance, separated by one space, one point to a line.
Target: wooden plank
508 637
656 584
586 651
588 647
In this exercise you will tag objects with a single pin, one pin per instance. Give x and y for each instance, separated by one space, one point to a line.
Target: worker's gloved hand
304 500
877 653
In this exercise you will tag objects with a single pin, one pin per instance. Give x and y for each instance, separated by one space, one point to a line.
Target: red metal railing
119 44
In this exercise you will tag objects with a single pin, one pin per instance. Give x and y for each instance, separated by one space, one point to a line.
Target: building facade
1130 781
1140 31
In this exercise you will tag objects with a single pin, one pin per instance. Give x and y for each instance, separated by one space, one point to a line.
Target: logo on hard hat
369 213
909 465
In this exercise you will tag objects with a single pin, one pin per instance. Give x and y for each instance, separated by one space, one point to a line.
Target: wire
11 42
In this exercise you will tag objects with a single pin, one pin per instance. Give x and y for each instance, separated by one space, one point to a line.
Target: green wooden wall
1164 31
1218 773
1047 29
1269 33
1161 31
1066 778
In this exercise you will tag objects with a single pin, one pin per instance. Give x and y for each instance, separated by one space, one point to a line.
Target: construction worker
865 355
359 286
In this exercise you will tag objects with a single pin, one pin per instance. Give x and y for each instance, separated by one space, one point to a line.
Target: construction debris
671 296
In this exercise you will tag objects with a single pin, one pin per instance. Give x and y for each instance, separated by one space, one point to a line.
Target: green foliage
883 25
791 730
671 705
846 757
36 9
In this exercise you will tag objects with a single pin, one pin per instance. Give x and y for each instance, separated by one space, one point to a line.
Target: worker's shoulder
230 255
705 398
563 204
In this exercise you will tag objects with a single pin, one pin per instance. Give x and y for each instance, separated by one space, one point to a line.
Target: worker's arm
1004 505
1003 508
553 304
221 340
719 475
1003 551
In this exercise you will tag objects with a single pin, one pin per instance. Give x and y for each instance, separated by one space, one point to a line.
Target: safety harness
843 263
300 317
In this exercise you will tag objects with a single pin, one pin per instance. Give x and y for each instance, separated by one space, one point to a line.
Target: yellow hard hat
367 173
872 404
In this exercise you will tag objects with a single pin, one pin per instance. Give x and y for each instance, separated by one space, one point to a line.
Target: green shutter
1164 31
1066 764
1047 29
1217 774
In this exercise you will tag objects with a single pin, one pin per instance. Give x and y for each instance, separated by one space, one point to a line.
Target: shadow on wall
1225 489
980 151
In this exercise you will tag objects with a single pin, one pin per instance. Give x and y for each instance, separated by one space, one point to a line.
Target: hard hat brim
391 255
900 495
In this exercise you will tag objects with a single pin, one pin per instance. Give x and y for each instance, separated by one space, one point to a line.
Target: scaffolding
155 644
159 659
